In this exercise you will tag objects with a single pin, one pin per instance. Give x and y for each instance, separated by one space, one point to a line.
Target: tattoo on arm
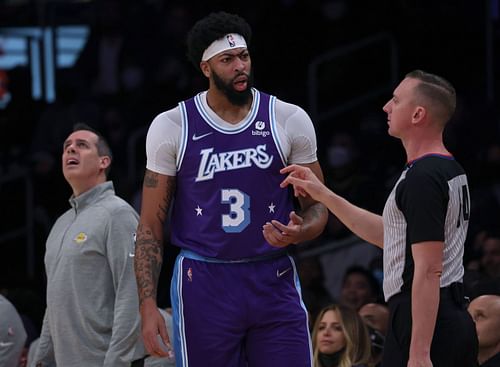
315 211
149 248
315 216
150 179
147 262
166 200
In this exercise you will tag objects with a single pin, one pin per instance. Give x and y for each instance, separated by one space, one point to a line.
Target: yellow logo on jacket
80 238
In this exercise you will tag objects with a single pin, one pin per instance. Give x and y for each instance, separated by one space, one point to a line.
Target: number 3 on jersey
239 210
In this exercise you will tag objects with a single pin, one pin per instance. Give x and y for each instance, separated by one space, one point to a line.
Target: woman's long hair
358 347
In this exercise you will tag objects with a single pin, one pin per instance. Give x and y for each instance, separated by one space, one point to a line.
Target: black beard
235 97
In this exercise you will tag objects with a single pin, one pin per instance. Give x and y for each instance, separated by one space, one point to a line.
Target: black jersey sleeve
423 199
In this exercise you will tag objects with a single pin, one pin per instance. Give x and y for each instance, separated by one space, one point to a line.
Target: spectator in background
344 174
12 334
340 338
490 256
483 273
376 317
485 311
359 287
347 251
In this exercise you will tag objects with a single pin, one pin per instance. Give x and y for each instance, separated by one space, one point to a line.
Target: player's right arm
156 198
364 224
162 143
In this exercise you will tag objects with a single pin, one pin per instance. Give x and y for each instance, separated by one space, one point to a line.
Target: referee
422 231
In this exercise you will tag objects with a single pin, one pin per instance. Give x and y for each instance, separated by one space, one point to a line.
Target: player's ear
205 68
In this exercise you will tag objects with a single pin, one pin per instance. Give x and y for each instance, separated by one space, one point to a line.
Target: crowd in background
133 67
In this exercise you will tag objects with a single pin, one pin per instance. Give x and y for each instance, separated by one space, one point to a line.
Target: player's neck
225 109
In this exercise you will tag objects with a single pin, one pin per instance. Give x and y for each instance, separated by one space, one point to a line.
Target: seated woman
340 338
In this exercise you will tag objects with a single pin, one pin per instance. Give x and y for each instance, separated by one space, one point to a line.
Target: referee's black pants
454 343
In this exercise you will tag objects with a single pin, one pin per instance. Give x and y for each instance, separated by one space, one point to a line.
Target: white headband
228 42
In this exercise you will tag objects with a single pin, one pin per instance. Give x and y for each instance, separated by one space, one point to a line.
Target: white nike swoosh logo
131 254
5 344
279 274
195 137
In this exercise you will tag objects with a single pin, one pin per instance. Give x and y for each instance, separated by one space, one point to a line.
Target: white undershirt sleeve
162 142
297 133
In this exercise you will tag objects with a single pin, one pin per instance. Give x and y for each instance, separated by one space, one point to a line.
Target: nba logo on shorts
190 274
230 40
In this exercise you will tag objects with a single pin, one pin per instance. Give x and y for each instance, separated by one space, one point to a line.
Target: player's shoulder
287 105
287 109
165 121
172 114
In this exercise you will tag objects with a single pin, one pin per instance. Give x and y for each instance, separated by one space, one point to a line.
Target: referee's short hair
436 94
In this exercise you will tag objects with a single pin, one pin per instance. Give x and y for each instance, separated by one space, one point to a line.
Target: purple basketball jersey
228 183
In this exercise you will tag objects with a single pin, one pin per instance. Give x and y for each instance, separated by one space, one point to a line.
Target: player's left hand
281 235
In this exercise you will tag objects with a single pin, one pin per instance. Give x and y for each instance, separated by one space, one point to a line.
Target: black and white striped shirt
430 202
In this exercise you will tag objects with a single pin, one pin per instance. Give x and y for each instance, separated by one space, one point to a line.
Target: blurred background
116 64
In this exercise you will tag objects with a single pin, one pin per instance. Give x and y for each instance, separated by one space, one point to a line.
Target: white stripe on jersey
454 237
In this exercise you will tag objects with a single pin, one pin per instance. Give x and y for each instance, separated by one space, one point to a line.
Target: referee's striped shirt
430 202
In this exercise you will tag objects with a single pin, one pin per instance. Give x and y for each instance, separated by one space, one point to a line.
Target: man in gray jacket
92 316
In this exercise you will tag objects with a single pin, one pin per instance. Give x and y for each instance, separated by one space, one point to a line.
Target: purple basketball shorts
247 314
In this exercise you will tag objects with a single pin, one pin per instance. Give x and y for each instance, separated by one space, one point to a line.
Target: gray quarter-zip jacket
92 316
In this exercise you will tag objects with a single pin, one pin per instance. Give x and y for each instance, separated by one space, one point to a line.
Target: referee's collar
438 155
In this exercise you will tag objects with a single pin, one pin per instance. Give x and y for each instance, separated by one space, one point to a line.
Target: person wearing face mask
340 338
376 318
345 174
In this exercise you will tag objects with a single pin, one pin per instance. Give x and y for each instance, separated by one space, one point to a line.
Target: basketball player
217 156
